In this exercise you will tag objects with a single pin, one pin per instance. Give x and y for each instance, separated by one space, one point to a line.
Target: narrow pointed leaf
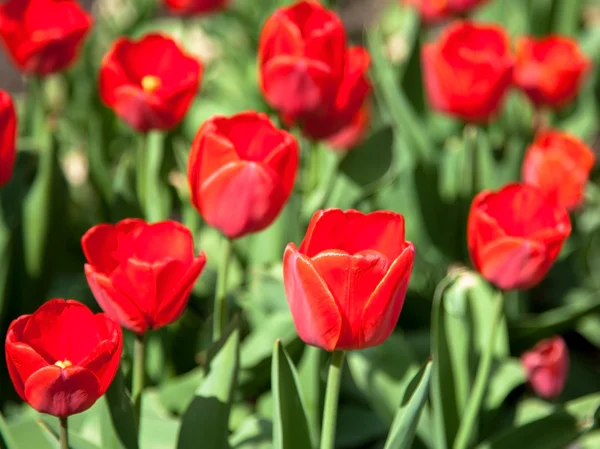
121 412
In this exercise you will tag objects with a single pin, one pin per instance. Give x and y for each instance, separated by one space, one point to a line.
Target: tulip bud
547 366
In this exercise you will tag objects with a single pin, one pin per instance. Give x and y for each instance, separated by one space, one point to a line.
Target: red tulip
194 6
346 283
550 70
353 134
468 70
8 134
547 366
141 274
43 36
559 165
302 56
241 172
515 235
145 91
436 10
62 358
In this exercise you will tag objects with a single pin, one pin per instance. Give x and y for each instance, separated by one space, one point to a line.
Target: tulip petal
62 392
352 231
165 239
61 330
115 303
514 263
315 313
171 304
383 308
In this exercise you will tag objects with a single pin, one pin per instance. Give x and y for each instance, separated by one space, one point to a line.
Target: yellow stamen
64 363
151 83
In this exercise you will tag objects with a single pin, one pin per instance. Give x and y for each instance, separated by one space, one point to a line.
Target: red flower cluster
346 283
436 10
194 6
308 73
241 172
559 165
62 358
8 134
547 367
43 36
145 92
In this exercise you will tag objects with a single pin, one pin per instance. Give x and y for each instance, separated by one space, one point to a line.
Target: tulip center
151 83
63 363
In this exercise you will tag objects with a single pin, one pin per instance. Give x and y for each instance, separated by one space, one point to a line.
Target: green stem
332 393
140 175
220 309
137 387
468 424
64 433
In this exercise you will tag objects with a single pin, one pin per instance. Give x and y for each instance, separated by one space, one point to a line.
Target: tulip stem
137 381
140 174
468 424
64 433
220 309
332 393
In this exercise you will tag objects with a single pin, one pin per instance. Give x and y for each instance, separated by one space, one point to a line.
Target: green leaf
371 160
253 433
290 421
311 385
207 417
358 426
121 412
177 393
6 434
403 429
505 378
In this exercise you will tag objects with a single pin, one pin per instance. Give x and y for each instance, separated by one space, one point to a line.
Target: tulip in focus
62 358
141 274
547 367
550 70
8 135
307 71
194 6
241 172
468 70
346 283
43 36
436 10
149 83
515 235
559 164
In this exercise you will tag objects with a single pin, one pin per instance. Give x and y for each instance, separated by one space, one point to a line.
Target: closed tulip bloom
141 274
302 54
149 83
43 36
346 283
62 358
515 235
468 70
436 10
550 70
8 134
241 172
547 367
194 6
559 164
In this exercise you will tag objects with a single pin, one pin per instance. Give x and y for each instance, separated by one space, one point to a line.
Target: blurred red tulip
346 283
8 135
43 36
547 367
145 91
436 10
302 54
194 6
468 70
62 358
141 274
559 165
515 235
550 70
241 172
353 134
